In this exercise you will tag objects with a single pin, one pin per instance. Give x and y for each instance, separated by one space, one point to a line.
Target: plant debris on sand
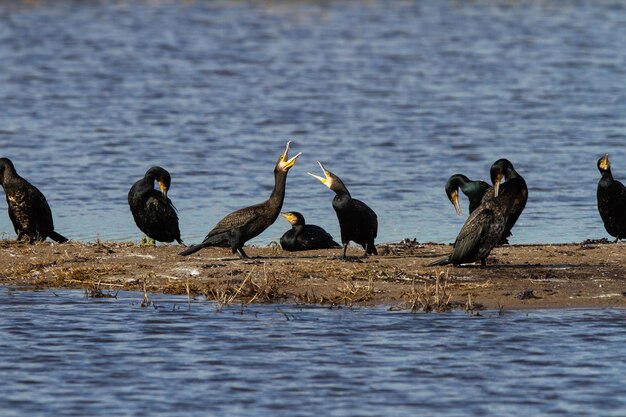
517 276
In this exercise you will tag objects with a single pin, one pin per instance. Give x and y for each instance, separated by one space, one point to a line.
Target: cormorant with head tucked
153 211
244 224
304 236
485 227
357 221
474 190
28 209
611 196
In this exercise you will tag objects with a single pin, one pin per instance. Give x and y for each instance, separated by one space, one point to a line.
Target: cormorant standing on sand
28 209
304 236
244 224
484 228
503 168
357 221
611 201
154 213
473 190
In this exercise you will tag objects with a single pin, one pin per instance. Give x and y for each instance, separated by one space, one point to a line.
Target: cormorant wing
368 214
471 235
236 219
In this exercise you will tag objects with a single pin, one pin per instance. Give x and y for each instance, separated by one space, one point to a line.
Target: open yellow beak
325 179
163 188
496 185
604 162
288 163
455 201
288 216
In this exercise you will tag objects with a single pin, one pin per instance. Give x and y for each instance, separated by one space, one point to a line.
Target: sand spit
590 274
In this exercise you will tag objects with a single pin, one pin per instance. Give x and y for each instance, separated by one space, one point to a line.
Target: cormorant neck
297 228
606 174
278 193
8 173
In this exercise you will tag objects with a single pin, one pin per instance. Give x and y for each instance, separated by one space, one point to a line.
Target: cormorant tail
193 249
441 262
57 237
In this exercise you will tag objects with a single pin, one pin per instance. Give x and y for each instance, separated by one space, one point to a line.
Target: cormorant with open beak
28 209
611 196
473 190
357 221
500 169
304 236
154 213
242 225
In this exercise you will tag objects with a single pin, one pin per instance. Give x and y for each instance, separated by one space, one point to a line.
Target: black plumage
357 221
473 190
485 227
611 196
238 227
500 169
153 211
304 236
28 209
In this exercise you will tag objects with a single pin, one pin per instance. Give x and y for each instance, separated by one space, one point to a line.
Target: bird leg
345 248
241 253
483 262
365 253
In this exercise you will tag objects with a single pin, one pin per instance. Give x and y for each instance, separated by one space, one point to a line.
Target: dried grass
430 297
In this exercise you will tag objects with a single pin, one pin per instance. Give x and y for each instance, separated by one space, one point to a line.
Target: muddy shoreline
517 277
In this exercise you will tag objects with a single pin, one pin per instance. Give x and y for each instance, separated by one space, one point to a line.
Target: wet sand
517 276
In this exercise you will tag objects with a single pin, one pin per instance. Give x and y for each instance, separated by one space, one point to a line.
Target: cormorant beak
326 180
454 198
604 162
496 185
288 216
163 188
284 159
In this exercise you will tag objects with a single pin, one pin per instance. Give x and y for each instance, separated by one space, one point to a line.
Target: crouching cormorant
611 201
154 213
28 209
244 224
484 228
473 190
304 236
357 221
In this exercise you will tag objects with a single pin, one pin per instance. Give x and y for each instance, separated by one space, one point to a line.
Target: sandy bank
518 276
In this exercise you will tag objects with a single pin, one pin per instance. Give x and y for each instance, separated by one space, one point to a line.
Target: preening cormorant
500 169
474 190
304 236
28 209
357 221
244 224
611 201
154 213
484 228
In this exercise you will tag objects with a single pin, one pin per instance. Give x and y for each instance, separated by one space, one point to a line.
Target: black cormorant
500 169
611 201
474 190
357 221
484 228
154 213
28 209
244 224
304 236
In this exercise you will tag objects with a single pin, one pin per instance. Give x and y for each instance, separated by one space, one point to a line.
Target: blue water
63 354
393 96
